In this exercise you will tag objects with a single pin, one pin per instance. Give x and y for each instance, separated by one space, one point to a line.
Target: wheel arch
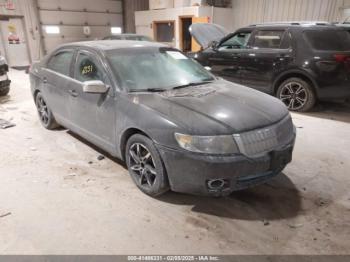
35 93
295 74
125 137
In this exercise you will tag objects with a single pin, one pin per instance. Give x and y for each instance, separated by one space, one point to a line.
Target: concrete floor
61 204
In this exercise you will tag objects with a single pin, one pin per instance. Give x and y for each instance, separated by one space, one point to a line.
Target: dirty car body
210 136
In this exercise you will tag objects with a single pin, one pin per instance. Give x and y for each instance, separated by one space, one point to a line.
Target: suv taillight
340 58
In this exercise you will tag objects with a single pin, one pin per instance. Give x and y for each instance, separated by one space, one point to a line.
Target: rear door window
328 40
61 62
268 39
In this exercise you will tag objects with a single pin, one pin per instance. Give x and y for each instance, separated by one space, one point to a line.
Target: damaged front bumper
4 81
3 69
221 175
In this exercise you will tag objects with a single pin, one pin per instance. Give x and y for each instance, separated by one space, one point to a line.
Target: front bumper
197 173
4 83
4 69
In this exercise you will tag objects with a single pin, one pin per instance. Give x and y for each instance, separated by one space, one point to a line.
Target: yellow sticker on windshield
87 69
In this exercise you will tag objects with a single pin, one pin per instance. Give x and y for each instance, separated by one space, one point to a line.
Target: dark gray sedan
176 125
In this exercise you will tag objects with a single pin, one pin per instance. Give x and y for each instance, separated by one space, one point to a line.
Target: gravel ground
57 198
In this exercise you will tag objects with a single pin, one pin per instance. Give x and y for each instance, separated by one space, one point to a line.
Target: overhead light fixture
116 30
51 29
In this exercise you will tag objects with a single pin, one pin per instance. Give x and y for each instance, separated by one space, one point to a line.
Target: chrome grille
267 139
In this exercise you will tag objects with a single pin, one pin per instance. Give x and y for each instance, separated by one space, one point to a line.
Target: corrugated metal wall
130 6
247 12
72 15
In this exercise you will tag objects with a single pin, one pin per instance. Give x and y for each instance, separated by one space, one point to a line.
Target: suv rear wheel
297 95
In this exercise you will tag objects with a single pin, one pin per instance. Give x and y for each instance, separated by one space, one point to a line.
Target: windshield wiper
192 84
151 90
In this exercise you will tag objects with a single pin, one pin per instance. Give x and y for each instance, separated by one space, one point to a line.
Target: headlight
207 144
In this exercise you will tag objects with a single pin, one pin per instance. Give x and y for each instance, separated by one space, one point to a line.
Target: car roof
105 45
126 35
295 24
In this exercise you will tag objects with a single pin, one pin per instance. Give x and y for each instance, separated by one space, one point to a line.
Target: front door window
238 41
88 69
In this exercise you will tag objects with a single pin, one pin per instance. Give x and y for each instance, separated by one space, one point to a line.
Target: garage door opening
185 35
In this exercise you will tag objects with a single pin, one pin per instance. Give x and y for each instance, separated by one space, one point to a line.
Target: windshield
329 40
155 68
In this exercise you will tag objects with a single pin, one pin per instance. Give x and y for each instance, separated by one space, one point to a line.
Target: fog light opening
216 184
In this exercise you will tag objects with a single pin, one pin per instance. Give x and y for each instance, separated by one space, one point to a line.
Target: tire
148 173
45 114
5 91
297 95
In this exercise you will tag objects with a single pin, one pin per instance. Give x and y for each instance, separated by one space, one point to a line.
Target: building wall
220 16
246 12
73 16
144 20
129 7
26 9
70 15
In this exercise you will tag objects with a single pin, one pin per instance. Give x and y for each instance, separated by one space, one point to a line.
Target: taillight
342 58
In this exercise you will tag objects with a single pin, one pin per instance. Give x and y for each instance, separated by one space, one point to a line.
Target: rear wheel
297 95
145 166
45 115
4 91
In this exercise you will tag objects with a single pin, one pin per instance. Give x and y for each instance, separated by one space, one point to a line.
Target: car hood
205 33
216 109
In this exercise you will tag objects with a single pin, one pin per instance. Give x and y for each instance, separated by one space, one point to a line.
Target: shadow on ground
279 199
5 99
97 149
331 111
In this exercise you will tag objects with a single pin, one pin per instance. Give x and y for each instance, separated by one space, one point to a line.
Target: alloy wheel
43 111
294 96
142 165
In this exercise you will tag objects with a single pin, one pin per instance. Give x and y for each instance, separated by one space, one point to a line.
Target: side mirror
214 45
95 87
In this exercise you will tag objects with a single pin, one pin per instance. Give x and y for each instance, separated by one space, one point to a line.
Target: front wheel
145 166
45 115
297 95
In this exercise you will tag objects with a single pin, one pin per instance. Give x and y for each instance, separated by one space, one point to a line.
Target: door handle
73 93
44 80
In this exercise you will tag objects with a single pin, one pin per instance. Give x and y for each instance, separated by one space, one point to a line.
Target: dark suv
299 63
